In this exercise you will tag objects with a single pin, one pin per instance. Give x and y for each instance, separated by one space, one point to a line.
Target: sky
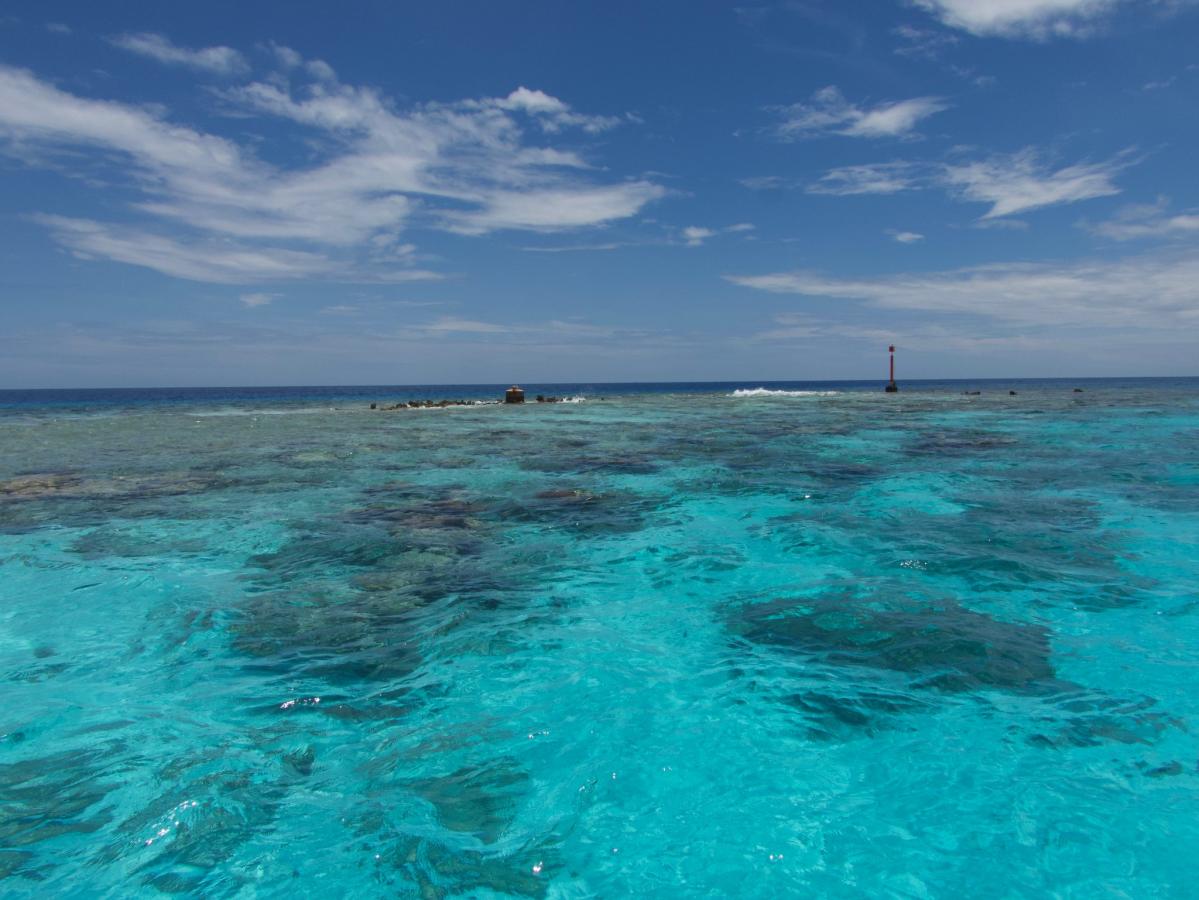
480 192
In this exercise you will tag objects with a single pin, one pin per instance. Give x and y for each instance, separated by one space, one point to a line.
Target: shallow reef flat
826 642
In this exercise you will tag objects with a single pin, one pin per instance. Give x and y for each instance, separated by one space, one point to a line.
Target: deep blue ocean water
672 640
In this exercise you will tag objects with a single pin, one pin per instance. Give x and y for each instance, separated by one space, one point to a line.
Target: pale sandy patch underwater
673 642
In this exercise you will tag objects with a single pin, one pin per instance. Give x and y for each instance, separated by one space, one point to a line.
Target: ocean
687 640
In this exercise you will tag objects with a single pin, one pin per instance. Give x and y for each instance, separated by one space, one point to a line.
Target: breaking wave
766 392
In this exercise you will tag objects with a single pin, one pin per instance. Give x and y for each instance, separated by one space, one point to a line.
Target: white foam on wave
767 392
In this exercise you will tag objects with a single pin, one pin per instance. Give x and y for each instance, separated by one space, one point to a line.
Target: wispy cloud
552 114
769 183
925 337
211 209
1159 291
905 237
221 262
1022 181
216 60
695 235
577 248
257 299
1010 183
554 330
453 325
1159 85
553 207
876 178
828 112
923 43
1147 220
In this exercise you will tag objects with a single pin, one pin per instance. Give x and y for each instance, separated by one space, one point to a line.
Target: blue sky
310 193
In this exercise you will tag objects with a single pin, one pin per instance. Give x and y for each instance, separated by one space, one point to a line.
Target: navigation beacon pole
892 387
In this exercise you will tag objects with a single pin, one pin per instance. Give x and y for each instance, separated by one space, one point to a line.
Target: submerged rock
941 645
337 638
68 485
957 442
47 797
477 800
440 871
616 464
841 716
1077 717
300 762
581 511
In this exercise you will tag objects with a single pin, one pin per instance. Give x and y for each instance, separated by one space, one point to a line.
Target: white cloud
466 167
828 112
1000 224
533 102
1021 181
285 56
922 43
218 60
576 248
1038 19
906 237
877 178
222 262
321 70
1147 292
768 183
551 113
539 333
924 337
257 299
58 28
694 235
1147 220
555 208
1159 85
1011 183
453 325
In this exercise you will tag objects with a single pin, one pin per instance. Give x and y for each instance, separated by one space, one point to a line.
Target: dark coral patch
940 645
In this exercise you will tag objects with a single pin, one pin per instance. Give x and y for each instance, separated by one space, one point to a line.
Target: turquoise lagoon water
677 641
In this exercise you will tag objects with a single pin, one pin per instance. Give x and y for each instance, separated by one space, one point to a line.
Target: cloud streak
828 112
875 178
1148 220
214 60
1010 183
1159 291
1022 182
